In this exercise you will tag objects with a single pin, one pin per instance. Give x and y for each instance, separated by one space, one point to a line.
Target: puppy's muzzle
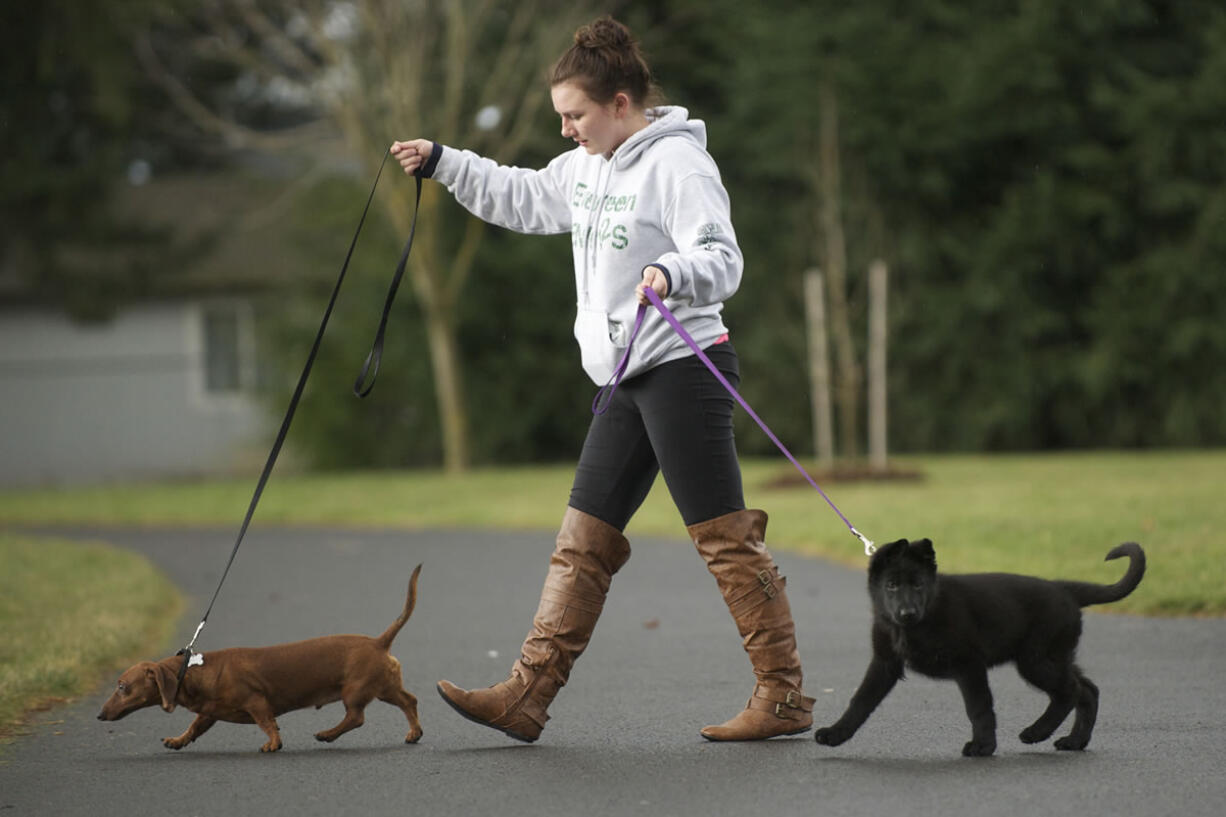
908 615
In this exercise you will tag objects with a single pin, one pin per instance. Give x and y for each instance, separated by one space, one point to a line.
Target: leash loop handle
607 393
360 387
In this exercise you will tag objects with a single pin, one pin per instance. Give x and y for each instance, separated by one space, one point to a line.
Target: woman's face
600 129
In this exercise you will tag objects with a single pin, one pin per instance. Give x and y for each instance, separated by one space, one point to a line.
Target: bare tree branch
275 38
190 105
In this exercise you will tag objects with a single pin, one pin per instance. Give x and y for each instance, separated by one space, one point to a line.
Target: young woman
645 207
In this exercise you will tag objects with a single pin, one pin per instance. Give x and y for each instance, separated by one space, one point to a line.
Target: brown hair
604 60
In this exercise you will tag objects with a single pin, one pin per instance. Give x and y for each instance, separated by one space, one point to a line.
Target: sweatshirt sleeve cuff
426 171
668 276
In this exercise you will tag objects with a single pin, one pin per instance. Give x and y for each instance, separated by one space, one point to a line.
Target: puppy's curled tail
389 635
1086 593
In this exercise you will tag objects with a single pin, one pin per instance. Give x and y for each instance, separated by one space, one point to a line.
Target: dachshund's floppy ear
168 685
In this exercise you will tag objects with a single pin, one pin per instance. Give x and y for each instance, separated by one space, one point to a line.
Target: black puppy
957 626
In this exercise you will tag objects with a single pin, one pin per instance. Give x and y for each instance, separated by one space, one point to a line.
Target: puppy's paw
413 736
979 748
1033 735
1072 744
174 743
271 746
832 736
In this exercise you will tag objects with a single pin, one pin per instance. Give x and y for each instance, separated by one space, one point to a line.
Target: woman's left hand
655 278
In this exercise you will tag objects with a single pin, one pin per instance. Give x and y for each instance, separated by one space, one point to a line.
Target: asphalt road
624 740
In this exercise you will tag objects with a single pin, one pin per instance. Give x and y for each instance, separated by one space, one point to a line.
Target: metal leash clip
869 547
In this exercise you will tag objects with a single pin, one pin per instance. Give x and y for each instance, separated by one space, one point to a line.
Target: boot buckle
791 701
768 584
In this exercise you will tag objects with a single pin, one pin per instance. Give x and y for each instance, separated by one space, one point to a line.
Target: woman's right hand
412 154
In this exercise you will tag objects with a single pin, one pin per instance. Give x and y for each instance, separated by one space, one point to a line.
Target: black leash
376 349
376 354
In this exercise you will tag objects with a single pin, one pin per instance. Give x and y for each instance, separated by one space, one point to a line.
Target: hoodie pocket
602 342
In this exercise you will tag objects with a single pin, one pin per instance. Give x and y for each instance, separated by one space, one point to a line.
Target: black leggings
675 419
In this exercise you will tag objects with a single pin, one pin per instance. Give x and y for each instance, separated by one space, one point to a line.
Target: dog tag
197 660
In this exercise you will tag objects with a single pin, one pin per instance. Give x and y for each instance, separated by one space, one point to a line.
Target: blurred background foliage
1046 180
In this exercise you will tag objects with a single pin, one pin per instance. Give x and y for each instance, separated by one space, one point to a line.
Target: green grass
1048 515
69 612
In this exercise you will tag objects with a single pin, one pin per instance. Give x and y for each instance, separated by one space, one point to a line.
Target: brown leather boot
733 548
587 555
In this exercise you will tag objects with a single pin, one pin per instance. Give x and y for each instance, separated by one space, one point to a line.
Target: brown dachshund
255 684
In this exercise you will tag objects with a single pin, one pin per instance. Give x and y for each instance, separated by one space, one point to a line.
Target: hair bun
605 60
604 33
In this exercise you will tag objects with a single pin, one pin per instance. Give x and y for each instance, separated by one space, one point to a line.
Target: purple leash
606 395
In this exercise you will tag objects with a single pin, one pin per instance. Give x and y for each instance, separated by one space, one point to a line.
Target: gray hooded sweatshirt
657 200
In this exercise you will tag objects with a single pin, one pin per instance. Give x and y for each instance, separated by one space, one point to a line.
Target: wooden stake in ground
819 369
834 266
878 284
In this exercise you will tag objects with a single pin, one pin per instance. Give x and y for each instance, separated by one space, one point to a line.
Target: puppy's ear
887 552
893 548
923 549
168 685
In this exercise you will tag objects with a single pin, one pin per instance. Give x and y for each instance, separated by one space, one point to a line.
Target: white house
162 389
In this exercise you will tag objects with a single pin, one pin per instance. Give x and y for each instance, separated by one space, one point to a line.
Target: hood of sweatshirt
663 122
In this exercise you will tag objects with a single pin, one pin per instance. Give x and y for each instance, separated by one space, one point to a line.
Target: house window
223 346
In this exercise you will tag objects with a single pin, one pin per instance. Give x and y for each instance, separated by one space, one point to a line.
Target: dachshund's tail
389 635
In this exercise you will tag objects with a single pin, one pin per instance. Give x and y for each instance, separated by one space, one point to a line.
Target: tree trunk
438 286
448 388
